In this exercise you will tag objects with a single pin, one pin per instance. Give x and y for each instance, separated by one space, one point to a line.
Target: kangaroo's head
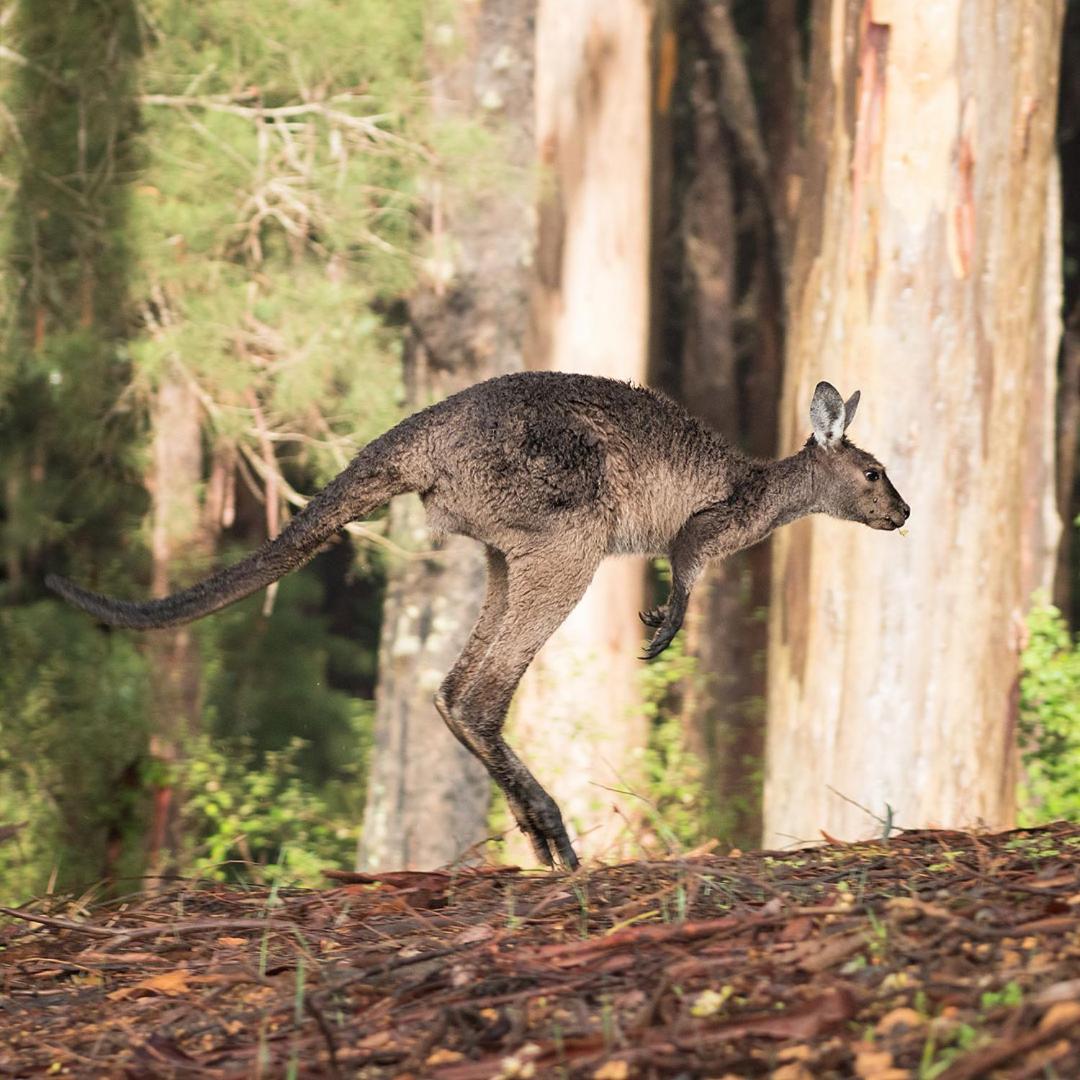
849 483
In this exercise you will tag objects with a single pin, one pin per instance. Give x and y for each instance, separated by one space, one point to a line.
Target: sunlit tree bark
177 540
575 718
428 798
927 274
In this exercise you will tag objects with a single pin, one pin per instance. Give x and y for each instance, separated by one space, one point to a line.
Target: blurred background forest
240 241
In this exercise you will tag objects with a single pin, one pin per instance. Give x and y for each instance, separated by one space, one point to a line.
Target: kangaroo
551 472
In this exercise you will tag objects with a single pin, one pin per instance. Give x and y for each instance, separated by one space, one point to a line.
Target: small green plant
1011 994
254 819
879 935
673 772
942 1048
1050 719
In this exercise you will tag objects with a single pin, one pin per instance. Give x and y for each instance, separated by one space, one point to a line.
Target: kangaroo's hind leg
542 587
472 655
480 638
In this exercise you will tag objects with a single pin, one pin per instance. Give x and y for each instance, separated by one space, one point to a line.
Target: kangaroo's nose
905 510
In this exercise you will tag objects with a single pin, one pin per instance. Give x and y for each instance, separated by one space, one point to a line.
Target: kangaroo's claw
661 640
654 617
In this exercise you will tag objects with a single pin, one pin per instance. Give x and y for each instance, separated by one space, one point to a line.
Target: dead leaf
376 1040
442 1056
792 1071
170 983
797 929
1060 1015
1052 924
900 1020
235 942
1051 882
801 1052
613 1070
1038 1061
877 1065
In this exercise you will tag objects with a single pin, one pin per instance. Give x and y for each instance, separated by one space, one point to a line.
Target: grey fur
552 472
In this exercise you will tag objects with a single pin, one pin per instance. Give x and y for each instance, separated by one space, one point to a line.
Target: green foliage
1050 719
673 773
251 817
276 208
67 440
72 739
268 681
1010 995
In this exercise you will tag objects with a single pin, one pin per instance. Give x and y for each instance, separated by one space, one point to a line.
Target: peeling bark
927 274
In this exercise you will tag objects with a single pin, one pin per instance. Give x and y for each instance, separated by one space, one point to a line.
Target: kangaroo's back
537 451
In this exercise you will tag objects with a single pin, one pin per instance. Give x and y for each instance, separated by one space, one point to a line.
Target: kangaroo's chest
654 507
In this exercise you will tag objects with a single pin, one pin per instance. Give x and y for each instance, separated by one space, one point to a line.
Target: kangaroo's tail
352 494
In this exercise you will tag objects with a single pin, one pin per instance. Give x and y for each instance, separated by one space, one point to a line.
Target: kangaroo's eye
872 475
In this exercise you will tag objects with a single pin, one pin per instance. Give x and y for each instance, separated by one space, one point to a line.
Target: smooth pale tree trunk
178 537
576 719
428 798
926 273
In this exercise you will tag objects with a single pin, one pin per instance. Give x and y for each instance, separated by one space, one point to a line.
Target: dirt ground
936 955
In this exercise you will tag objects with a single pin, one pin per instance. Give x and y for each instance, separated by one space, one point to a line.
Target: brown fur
552 472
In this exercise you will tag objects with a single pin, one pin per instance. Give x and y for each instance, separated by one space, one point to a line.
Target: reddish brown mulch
933 955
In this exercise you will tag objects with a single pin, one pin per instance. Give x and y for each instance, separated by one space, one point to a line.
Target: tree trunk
1067 579
177 537
927 274
428 798
576 719
732 232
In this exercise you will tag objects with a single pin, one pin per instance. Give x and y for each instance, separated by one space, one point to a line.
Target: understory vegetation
1050 719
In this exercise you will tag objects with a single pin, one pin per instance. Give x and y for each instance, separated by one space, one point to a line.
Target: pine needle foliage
277 213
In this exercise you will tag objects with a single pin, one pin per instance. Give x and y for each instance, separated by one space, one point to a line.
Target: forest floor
933 955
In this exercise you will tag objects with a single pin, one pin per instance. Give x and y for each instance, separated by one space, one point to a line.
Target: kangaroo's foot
534 810
538 817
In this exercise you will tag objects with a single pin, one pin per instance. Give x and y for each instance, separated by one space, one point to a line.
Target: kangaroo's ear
827 415
850 406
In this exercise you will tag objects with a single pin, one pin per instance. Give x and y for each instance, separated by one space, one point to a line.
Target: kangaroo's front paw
667 620
654 617
661 640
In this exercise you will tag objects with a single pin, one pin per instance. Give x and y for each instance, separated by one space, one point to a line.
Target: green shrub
1050 719
72 743
252 818
673 772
